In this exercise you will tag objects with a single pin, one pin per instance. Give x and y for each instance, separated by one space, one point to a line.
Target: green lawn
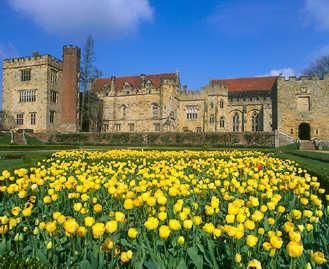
4 139
317 163
21 159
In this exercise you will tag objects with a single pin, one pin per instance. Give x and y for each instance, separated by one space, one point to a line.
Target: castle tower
70 88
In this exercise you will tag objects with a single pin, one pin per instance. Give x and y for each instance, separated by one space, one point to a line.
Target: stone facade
293 108
34 93
139 104
303 107
129 105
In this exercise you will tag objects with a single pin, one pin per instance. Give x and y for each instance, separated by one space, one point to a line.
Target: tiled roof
247 84
134 81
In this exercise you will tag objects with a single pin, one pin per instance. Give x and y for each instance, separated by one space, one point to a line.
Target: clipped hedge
166 139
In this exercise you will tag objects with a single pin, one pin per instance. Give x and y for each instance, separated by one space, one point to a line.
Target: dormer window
127 87
148 84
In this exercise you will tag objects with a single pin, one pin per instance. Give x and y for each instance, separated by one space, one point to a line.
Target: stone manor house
41 92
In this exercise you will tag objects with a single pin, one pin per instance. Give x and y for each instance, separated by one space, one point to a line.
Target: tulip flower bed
152 209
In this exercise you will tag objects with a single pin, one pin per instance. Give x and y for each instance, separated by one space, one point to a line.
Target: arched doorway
304 131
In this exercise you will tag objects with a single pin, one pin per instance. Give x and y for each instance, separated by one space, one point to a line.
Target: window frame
20 118
105 127
222 122
221 103
53 76
236 122
27 96
123 110
52 114
157 127
25 74
54 96
256 121
155 110
117 127
131 127
33 118
212 119
191 112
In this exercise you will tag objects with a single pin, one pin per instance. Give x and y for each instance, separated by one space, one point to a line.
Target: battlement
32 60
190 95
302 78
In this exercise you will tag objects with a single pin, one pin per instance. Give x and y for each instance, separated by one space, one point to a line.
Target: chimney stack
70 88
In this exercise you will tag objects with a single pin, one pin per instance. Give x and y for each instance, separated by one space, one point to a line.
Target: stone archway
304 131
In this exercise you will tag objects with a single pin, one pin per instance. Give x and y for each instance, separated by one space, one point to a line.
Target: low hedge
166 139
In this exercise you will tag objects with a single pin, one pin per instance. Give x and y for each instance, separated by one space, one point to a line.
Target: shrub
166 139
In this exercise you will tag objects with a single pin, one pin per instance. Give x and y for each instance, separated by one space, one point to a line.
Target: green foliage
30 140
120 139
4 138
21 159
71 138
14 261
259 138
187 139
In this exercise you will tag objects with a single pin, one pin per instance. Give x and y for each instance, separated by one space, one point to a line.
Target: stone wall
130 109
303 100
40 67
210 104
145 109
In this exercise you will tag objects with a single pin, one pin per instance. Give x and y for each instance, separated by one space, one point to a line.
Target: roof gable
134 81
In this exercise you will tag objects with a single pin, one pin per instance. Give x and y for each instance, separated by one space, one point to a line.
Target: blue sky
201 39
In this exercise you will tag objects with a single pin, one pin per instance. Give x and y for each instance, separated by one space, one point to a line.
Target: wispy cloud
286 72
7 50
317 12
74 17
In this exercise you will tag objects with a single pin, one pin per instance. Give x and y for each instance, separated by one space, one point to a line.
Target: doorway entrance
304 131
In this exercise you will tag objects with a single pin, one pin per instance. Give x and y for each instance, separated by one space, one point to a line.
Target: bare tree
319 67
88 73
